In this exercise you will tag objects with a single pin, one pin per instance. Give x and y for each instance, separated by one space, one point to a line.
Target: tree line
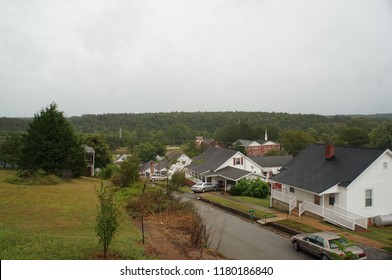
293 131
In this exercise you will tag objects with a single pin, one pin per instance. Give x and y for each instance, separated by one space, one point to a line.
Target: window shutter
233 161
242 161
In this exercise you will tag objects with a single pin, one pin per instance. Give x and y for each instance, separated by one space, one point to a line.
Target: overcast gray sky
122 56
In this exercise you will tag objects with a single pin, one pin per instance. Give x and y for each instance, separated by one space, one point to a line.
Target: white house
173 162
347 186
223 166
271 165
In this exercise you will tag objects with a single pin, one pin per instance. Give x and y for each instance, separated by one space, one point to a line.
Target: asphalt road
237 238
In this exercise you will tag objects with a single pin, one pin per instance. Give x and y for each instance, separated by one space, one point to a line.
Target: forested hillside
177 128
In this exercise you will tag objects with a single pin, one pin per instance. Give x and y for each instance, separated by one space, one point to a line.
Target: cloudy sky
124 56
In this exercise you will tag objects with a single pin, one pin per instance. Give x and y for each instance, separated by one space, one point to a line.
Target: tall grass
57 222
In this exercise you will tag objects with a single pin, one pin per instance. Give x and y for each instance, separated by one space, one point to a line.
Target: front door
317 200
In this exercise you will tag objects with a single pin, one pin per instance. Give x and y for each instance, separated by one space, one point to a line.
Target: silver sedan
327 245
203 187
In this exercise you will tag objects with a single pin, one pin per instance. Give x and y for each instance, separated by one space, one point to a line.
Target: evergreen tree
52 145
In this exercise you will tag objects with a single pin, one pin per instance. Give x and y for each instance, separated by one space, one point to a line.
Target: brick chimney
329 151
152 167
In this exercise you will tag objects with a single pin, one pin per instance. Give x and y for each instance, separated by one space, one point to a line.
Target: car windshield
333 243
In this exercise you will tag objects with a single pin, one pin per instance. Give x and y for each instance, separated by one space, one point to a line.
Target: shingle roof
211 159
272 161
310 171
232 173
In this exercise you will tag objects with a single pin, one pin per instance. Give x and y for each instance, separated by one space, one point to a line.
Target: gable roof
244 143
211 159
147 165
271 161
170 159
310 171
232 173
247 143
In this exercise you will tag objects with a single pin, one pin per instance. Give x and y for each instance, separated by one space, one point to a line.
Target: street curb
273 225
283 228
234 211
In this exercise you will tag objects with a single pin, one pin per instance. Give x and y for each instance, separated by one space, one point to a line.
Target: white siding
247 165
379 180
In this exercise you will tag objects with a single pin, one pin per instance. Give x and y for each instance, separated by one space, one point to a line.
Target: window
368 198
291 189
319 241
331 200
385 165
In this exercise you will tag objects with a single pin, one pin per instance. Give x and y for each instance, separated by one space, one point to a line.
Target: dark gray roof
272 161
232 173
244 143
211 159
147 165
310 171
168 160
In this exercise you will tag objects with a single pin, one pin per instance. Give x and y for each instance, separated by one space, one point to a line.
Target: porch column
322 204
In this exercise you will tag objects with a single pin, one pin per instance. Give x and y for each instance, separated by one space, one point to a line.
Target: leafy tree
52 145
191 150
102 153
178 134
10 148
228 134
354 136
239 147
177 181
381 136
107 217
148 151
128 172
294 141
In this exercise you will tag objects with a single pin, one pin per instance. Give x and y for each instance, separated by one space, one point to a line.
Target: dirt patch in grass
165 239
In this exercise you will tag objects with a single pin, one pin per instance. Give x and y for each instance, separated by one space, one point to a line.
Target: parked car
325 245
203 187
157 177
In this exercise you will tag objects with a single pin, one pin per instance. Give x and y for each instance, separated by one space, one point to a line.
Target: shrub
29 177
107 217
252 188
127 174
107 172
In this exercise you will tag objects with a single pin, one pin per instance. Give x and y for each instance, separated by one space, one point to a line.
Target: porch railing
289 199
344 218
335 215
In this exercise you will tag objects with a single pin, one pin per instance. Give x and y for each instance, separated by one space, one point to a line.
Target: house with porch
347 186
172 162
223 167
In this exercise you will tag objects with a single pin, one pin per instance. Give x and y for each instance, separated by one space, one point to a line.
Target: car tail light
362 255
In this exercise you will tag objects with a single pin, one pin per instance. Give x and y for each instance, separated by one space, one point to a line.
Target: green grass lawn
263 202
226 201
57 222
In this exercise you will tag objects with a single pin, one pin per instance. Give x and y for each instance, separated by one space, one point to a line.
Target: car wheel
324 257
296 246
214 189
153 179
203 190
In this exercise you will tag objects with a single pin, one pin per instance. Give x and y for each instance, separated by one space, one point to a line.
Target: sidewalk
307 220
